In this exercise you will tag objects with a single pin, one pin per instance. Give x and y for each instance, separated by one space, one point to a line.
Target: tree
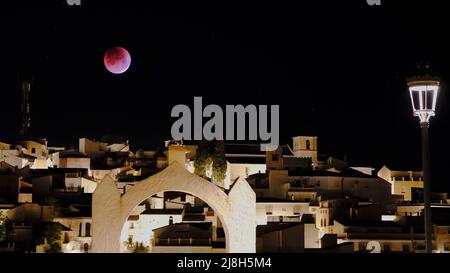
57 206
202 159
52 234
211 154
140 248
2 227
219 166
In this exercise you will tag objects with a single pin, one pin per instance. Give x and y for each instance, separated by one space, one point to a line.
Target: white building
139 228
402 182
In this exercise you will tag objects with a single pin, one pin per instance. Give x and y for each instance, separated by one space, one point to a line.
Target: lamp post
424 91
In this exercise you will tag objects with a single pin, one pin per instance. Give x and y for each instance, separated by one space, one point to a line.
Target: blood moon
117 60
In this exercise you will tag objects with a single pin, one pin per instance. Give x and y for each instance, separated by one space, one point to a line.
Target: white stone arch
236 210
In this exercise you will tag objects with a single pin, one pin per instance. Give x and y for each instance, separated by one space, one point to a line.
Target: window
386 248
33 150
171 220
361 246
406 248
447 246
88 230
66 237
308 144
79 230
420 247
72 175
274 157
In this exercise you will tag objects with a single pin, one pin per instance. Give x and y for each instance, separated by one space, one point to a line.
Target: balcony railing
182 242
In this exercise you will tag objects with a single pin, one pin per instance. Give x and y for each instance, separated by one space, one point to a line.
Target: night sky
336 68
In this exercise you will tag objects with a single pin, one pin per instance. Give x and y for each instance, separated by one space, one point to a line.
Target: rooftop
250 149
77 211
272 227
184 230
246 159
193 218
368 223
72 154
346 173
162 211
276 200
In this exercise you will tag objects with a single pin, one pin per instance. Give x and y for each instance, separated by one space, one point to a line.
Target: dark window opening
406 248
88 230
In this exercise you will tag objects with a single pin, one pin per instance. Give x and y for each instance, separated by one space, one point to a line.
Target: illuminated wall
236 210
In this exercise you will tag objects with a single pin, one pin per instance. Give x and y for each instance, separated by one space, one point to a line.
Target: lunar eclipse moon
117 60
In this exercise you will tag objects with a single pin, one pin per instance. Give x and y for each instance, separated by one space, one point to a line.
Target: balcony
182 241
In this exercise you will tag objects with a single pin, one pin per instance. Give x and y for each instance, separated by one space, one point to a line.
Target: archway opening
173 222
235 209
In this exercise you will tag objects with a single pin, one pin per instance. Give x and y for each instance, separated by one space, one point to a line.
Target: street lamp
424 91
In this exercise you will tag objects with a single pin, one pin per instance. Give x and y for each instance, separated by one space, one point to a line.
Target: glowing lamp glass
423 98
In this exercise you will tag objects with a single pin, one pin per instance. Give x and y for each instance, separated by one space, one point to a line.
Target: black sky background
336 68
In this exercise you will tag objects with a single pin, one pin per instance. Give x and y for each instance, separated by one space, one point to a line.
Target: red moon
117 60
